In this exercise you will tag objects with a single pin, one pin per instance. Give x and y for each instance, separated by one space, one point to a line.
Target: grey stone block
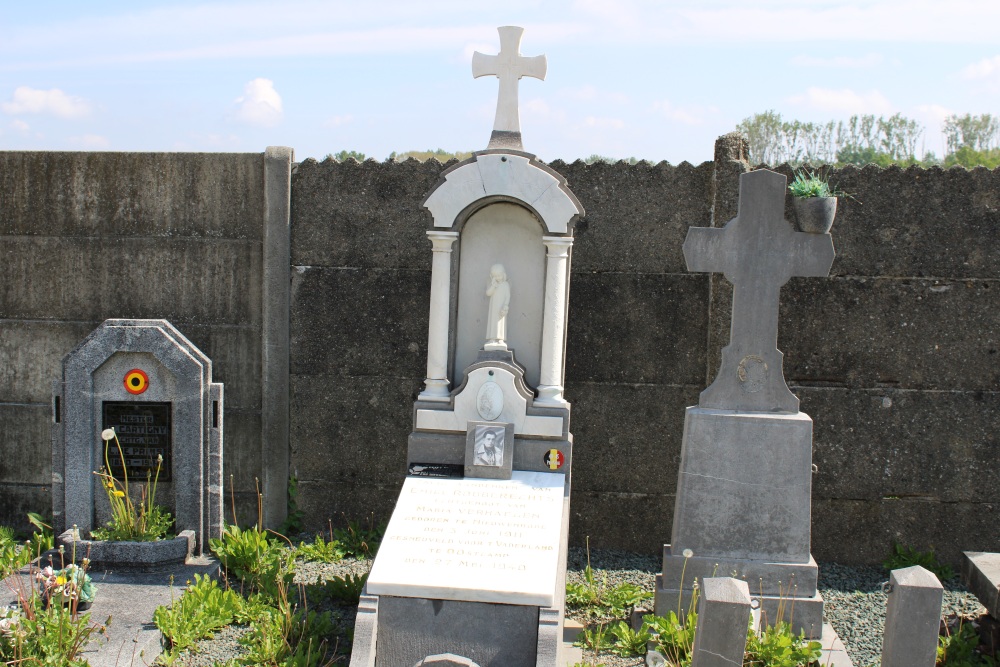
887 443
493 635
124 556
748 476
369 214
912 618
792 579
275 333
350 428
346 500
236 354
906 333
863 531
598 516
213 195
624 428
27 427
637 215
916 222
723 617
981 573
169 278
344 321
365 631
445 660
637 328
805 614
30 356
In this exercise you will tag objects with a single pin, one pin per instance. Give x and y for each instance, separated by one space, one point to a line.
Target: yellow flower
60 580
119 494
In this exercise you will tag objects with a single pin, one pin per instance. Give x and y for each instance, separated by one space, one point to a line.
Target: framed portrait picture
489 450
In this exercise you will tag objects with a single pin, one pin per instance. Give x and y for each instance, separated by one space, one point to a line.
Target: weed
778 646
254 557
596 638
360 542
959 648
293 521
344 589
143 523
201 609
629 642
598 601
321 550
903 556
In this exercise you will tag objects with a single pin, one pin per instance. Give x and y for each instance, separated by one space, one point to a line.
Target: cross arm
484 65
706 249
812 255
534 66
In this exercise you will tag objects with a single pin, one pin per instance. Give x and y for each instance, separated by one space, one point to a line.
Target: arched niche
508 234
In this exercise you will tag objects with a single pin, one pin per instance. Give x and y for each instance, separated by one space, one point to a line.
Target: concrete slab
129 599
981 573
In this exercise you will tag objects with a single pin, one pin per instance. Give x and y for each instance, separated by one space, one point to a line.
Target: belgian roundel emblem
553 459
136 381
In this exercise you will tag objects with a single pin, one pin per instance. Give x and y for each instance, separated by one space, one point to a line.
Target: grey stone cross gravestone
508 66
154 387
472 567
744 485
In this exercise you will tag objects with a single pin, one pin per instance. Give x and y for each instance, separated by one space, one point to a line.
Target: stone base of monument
127 556
805 614
470 567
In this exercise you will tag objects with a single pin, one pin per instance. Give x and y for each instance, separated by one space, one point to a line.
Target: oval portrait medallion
489 401
752 373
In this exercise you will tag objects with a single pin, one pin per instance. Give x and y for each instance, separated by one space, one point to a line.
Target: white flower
108 434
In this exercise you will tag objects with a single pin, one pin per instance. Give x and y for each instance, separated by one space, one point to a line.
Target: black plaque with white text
144 431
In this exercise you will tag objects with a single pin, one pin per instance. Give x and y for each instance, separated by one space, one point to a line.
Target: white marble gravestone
745 479
154 387
473 562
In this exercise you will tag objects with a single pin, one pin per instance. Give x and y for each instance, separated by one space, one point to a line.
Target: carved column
550 387
436 386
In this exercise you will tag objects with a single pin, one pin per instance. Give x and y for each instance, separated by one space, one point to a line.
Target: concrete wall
90 236
894 357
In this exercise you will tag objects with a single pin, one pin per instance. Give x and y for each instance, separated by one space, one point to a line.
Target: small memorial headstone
149 383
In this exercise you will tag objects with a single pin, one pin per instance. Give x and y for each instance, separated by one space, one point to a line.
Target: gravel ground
854 603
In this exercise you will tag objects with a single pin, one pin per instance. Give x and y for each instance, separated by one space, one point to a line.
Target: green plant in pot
815 202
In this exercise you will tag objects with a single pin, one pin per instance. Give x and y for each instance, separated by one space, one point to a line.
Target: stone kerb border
129 556
511 175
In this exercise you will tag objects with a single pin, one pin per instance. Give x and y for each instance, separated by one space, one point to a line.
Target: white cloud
91 142
260 104
539 109
840 62
20 126
53 102
604 123
934 112
844 100
982 69
338 121
472 47
692 115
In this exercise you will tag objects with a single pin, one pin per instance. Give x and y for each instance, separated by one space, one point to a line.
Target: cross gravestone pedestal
154 387
744 488
472 567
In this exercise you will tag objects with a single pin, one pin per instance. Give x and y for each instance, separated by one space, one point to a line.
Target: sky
626 78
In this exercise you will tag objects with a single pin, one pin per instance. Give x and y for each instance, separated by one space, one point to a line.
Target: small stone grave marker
154 387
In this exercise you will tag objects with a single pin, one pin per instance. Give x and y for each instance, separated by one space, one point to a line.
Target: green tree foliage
440 155
342 156
859 140
610 160
972 140
979 133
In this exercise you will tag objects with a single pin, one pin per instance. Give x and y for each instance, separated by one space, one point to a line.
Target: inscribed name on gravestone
144 433
480 540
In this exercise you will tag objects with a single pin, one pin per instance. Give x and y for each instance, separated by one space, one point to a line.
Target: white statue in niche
496 324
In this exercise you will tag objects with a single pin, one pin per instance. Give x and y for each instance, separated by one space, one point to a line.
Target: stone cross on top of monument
508 66
758 251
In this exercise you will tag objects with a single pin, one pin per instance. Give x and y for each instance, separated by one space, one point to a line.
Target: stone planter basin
815 214
128 556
